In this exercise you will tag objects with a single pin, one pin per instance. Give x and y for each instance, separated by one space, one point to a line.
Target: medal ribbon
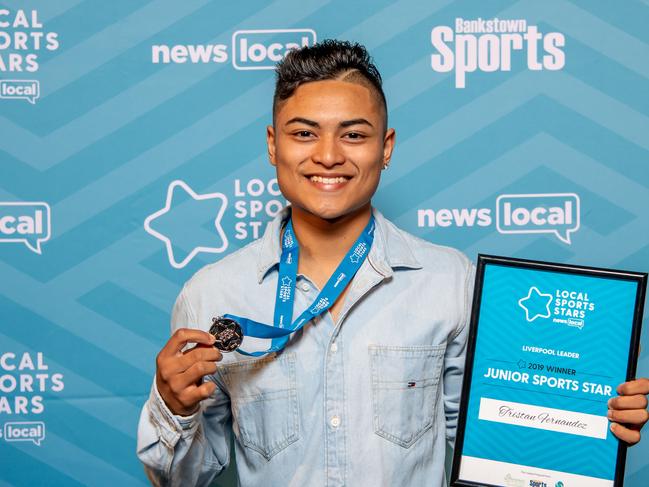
285 296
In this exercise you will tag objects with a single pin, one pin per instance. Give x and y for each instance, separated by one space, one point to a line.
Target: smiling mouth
328 180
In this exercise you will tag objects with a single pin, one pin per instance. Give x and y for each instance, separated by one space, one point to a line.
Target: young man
366 393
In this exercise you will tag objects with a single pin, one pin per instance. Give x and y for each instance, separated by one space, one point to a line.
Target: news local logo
33 431
262 49
556 214
490 45
26 222
249 49
20 89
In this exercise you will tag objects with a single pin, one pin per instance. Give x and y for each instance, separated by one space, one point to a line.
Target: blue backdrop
132 152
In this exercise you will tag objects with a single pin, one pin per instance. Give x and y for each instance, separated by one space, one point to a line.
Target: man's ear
270 142
388 146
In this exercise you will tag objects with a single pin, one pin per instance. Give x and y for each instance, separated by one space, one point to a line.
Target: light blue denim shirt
370 400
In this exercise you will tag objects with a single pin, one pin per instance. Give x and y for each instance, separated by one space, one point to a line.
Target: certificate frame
631 363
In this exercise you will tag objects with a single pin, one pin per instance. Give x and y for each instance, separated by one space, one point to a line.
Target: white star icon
535 295
167 207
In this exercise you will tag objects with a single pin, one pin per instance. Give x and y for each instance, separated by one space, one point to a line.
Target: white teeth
319 179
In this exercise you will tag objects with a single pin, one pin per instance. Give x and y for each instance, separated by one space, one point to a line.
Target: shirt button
334 347
335 421
305 287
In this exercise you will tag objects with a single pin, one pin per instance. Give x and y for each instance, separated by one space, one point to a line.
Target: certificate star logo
213 203
536 304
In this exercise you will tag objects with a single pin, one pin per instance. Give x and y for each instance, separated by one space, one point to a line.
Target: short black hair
326 60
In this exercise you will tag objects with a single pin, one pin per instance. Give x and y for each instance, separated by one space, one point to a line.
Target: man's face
329 146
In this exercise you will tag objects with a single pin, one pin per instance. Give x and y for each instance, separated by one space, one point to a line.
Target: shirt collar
390 249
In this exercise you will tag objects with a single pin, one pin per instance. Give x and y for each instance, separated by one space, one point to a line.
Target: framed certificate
548 345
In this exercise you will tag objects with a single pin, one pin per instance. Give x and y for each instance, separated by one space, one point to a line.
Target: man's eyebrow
355 121
344 123
305 121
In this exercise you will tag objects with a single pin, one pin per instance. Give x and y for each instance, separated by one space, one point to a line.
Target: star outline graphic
167 241
528 297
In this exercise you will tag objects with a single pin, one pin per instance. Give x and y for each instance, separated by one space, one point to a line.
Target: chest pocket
405 390
263 395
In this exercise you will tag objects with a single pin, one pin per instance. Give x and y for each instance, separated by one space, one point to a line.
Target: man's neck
325 242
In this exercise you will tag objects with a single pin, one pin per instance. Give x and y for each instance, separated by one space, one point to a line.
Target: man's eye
302 133
354 136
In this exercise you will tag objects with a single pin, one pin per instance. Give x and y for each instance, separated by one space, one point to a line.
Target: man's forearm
174 449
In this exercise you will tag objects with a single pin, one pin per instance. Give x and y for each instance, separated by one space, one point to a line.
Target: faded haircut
330 59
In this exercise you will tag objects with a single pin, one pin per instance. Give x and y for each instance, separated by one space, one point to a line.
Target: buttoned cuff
171 426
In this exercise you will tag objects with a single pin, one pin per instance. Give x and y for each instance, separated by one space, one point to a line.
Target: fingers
179 374
179 382
182 337
628 402
179 364
628 412
198 345
628 435
630 417
183 391
171 367
632 387
194 395
187 400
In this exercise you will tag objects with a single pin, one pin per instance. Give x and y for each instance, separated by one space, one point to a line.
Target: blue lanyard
285 296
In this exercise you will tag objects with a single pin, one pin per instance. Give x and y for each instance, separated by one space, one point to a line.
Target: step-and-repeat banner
132 152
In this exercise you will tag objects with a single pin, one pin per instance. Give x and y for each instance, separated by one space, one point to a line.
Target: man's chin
335 214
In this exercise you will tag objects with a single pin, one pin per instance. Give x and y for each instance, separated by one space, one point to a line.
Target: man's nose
328 152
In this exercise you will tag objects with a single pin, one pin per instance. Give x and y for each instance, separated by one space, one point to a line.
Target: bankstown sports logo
556 214
26 222
249 49
23 38
490 45
190 222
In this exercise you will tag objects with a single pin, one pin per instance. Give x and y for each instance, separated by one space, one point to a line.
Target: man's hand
179 374
628 412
